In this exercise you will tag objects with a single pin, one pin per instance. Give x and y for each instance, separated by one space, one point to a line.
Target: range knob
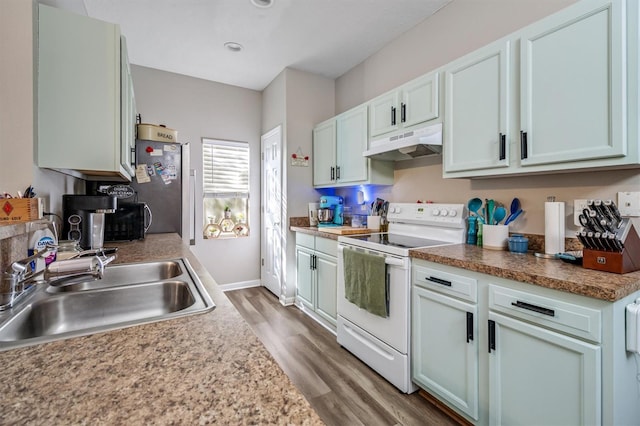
435 212
444 212
453 213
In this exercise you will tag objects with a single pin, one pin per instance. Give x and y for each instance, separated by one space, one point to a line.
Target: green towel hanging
365 281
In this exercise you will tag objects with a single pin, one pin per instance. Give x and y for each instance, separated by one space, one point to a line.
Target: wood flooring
340 387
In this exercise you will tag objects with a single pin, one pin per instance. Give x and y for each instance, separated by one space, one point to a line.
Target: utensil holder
495 237
628 260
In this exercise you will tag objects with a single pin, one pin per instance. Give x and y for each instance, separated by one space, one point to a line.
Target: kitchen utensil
490 210
513 209
499 214
513 217
474 205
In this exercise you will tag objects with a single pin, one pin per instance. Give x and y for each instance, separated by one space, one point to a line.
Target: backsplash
14 240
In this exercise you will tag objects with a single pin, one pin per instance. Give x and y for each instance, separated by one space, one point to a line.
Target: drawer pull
439 281
534 308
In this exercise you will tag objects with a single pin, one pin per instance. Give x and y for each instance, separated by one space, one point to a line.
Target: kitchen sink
128 295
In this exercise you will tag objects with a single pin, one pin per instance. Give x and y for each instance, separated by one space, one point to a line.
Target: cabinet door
326 287
304 276
351 143
78 93
540 377
128 109
445 349
572 81
384 116
324 153
419 100
477 108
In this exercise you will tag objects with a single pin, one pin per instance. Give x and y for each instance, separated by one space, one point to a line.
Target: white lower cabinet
316 276
540 377
445 348
503 352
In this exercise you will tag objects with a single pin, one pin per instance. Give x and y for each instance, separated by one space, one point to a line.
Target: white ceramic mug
313 214
373 223
495 237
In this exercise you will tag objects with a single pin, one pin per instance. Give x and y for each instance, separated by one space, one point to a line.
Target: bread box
151 132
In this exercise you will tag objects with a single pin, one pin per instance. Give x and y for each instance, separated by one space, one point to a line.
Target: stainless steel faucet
20 278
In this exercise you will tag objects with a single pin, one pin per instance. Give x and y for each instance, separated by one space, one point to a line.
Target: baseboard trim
239 285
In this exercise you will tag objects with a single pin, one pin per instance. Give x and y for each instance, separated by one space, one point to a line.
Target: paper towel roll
554 227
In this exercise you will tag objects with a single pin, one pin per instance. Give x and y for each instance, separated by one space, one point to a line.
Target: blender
331 211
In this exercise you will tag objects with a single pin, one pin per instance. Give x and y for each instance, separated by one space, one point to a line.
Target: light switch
629 203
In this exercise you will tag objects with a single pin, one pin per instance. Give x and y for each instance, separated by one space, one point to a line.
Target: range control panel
448 215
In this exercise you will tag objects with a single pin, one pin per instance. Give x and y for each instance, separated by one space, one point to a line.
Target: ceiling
325 37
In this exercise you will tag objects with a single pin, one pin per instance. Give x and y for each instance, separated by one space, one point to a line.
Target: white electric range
384 343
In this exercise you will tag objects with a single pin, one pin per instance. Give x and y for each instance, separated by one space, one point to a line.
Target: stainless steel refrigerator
162 181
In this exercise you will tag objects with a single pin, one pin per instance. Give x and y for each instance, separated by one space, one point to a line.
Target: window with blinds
225 174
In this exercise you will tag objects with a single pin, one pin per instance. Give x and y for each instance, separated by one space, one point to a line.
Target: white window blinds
225 168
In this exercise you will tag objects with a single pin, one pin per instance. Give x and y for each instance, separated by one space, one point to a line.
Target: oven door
393 330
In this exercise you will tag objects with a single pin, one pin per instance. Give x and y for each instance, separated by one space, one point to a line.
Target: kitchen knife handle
469 327
393 116
523 145
503 146
403 112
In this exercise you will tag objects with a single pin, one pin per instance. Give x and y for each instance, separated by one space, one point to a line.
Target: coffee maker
331 211
83 218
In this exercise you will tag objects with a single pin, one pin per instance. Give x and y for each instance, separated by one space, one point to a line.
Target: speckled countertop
202 369
527 268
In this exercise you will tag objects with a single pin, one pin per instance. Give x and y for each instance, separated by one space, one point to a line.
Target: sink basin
129 294
127 274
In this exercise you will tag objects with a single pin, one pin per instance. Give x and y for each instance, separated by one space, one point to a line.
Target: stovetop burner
397 240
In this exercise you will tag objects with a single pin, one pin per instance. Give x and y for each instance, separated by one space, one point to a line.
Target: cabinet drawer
565 317
327 246
455 285
305 240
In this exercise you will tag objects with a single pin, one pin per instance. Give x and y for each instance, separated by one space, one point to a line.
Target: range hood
407 144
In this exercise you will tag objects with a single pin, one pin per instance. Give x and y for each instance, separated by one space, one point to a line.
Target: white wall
199 108
297 100
457 29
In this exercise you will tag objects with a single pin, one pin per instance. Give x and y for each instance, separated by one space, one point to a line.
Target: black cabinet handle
333 173
523 145
393 116
403 112
534 308
439 281
492 335
469 327
503 146
338 172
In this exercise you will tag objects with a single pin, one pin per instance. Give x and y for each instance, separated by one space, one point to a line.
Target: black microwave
129 222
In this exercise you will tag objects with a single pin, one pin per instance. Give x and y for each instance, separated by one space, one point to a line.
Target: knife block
628 260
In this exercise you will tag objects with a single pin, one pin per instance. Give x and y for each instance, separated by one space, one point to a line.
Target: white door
271 194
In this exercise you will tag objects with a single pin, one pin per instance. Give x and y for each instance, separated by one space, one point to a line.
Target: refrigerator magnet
142 176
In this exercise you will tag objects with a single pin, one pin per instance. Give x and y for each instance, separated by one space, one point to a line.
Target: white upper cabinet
554 96
477 105
572 85
412 103
338 145
324 153
79 95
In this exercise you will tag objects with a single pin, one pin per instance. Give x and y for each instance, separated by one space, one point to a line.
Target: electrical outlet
578 206
629 203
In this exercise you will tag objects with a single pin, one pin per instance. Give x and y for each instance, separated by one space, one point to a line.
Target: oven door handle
393 261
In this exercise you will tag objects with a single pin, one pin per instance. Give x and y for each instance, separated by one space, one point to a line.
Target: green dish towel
365 281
